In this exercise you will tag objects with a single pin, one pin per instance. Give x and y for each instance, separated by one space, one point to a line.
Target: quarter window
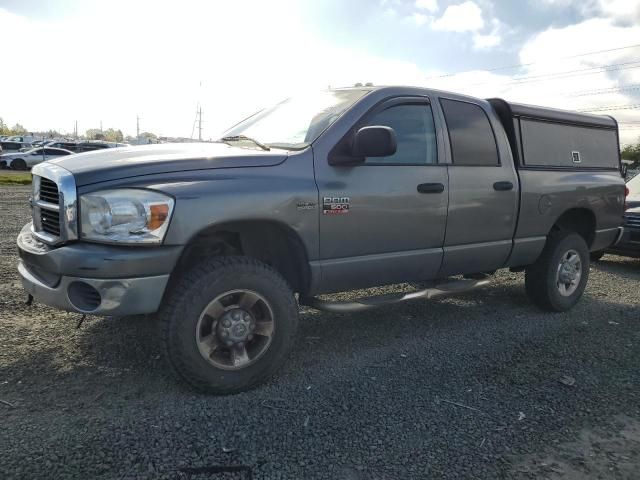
472 139
415 132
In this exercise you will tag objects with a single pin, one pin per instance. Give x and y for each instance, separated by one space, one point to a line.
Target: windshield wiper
240 138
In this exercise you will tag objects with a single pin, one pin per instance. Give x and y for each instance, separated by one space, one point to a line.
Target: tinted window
11 146
415 132
471 135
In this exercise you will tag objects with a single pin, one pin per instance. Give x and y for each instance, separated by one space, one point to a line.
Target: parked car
91 145
345 189
28 139
66 145
11 147
629 246
26 160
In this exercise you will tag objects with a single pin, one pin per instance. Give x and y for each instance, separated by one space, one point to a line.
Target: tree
94 134
4 128
149 137
112 135
18 129
632 152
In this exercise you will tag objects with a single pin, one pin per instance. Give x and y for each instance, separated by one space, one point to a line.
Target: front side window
297 121
415 132
471 135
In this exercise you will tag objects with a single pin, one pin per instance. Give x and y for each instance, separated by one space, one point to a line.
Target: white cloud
465 17
154 68
486 42
620 9
429 5
419 18
561 82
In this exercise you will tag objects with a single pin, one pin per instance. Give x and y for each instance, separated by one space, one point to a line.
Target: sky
109 61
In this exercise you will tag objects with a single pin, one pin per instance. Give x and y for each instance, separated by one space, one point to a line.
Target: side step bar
360 304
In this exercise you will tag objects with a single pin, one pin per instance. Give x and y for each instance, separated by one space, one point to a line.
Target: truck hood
124 162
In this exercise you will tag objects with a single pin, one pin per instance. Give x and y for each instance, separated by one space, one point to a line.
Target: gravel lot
466 387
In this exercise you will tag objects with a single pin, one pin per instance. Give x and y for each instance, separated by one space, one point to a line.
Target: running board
360 304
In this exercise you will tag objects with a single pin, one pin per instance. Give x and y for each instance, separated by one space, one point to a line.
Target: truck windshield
297 121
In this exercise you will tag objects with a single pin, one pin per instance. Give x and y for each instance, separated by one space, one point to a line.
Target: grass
15 178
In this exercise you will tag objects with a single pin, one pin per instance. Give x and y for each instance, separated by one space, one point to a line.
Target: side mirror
375 141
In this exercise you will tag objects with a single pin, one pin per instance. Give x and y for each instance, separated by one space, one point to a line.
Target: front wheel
228 324
558 278
19 164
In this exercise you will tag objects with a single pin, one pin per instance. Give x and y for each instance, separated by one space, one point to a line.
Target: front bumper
628 245
95 279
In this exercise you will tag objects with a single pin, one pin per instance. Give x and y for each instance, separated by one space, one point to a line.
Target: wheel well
275 244
579 220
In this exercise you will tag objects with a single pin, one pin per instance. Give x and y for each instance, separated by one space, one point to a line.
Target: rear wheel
558 278
228 324
19 164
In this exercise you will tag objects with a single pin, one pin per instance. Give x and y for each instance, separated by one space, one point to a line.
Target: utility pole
199 123
100 126
75 131
138 126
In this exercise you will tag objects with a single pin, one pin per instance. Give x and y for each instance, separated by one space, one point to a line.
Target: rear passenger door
483 191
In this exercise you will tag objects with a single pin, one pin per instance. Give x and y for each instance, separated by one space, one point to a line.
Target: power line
603 91
495 69
569 73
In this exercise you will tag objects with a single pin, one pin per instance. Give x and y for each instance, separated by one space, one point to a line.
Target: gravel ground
465 387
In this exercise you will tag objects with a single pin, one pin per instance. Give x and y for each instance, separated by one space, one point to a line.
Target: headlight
125 216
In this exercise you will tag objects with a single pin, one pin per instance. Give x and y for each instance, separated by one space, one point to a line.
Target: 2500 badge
335 205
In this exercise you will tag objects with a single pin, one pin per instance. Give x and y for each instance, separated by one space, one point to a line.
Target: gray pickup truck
339 190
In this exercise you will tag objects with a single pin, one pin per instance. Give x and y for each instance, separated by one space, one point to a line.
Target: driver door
383 221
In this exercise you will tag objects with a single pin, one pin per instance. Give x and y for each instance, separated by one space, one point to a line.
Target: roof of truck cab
514 109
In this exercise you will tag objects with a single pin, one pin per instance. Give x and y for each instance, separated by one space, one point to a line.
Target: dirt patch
611 451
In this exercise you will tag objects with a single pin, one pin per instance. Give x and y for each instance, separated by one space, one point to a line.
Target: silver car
26 160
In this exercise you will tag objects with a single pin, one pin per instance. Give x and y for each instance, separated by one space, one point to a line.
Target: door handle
430 188
503 186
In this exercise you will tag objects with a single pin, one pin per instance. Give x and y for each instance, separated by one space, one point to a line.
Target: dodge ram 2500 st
333 191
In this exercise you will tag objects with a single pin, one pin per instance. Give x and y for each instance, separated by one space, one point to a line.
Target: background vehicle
91 145
26 160
28 139
401 185
629 246
10 147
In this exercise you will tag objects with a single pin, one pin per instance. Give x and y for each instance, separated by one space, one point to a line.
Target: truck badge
335 205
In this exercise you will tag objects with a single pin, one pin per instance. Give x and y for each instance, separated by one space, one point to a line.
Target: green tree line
632 152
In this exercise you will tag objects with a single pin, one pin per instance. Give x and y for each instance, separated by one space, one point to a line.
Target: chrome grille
54 204
49 191
48 200
632 220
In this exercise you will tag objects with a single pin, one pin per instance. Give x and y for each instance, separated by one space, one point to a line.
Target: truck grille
49 191
49 218
54 204
50 222
632 220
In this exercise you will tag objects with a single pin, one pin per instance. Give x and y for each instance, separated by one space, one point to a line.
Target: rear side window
470 133
415 132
